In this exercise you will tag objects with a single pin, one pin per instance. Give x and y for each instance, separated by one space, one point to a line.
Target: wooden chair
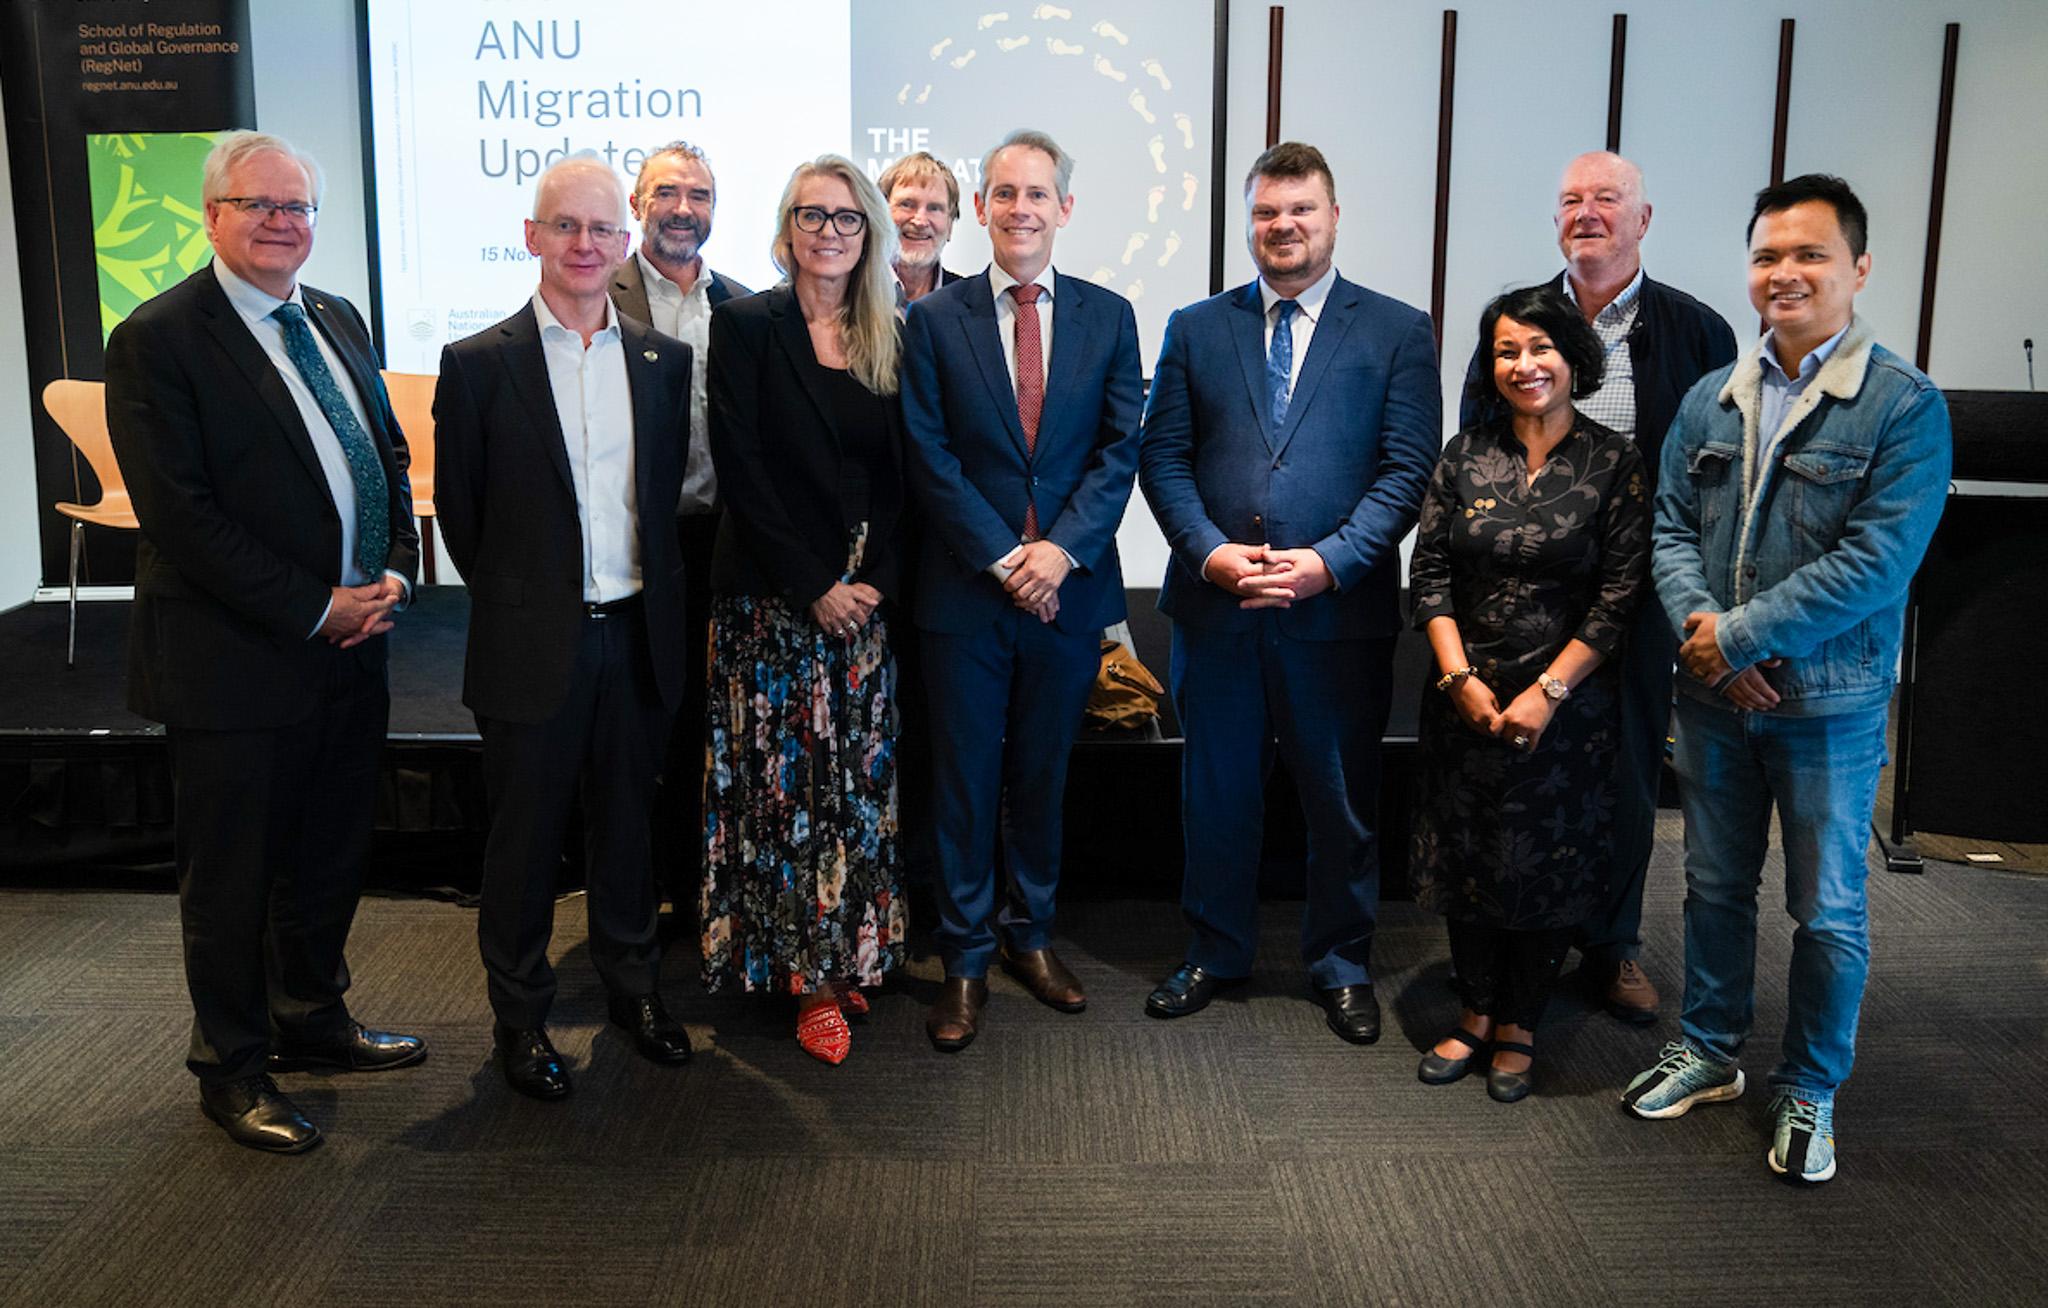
80 409
412 399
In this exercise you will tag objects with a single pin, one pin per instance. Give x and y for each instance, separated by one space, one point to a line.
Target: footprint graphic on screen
1157 145
940 48
963 60
1168 250
1044 12
1107 30
1132 246
1009 43
1159 74
1135 291
1109 70
1060 47
1103 276
903 96
1153 199
1187 130
987 21
1137 99
925 94
1188 187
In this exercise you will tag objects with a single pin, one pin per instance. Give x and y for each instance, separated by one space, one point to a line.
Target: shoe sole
1713 1094
1164 1013
1806 1178
1350 1037
299 1148
950 1046
1631 1016
302 1063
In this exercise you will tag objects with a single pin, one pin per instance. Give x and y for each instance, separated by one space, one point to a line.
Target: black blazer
241 543
779 464
507 505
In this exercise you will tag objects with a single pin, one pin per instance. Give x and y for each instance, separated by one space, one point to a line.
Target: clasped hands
846 607
356 613
1701 657
1265 578
1037 570
1525 718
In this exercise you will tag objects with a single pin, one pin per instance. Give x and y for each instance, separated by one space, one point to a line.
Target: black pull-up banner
111 107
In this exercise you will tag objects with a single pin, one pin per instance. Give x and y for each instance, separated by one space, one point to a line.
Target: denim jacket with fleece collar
1813 566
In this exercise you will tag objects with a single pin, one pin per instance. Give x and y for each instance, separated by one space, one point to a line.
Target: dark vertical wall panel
1446 97
1937 192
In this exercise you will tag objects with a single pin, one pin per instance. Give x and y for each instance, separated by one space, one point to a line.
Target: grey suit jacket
629 292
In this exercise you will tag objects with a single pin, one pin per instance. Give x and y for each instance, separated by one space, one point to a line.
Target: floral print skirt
800 836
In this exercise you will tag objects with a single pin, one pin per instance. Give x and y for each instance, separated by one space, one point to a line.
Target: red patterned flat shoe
823 1033
850 998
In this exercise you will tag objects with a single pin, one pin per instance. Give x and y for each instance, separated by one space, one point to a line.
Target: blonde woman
800 868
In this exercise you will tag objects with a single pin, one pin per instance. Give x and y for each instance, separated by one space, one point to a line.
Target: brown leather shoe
1630 996
1048 979
952 1023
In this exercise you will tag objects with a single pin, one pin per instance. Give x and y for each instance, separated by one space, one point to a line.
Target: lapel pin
319 305
651 357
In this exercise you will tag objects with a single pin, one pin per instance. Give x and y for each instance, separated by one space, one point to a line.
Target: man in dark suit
1289 438
667 285
562 430
1020 397
1659 341
269 474
924 199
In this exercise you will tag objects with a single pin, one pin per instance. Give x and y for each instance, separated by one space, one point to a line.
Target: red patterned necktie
1030 383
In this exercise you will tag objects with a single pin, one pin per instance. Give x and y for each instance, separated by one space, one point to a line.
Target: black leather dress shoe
530 1063
1188 990
357 1049
658 1037
255 1113
1353 1012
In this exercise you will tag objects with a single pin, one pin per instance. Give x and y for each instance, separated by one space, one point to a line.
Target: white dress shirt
688 319
1309 308
595 404
254 306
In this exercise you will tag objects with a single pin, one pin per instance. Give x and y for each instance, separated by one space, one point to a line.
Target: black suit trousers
272 829
679 809
602 748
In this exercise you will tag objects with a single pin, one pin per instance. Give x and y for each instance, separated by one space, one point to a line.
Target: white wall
1361 82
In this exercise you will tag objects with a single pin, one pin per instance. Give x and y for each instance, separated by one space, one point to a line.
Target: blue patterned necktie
1280 361
365 465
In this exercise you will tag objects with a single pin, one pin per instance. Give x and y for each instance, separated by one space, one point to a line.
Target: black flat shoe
1187 991
358 1049
1510 1087
1353 1012
1435 1069
257 1115
530 1064
658 1037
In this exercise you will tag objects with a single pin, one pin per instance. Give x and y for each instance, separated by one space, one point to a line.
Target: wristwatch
1557 690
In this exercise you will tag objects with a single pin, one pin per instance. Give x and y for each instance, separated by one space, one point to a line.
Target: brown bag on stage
1126 694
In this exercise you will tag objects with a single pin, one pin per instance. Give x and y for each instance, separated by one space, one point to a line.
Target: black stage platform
84 783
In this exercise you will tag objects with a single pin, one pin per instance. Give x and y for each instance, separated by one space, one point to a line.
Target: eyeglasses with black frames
847 222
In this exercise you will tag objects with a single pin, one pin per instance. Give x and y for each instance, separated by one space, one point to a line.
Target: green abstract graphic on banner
148 219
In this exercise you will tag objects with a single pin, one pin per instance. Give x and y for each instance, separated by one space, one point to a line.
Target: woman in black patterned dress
1530 558
801 889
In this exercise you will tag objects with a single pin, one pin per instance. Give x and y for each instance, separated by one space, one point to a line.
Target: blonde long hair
868 327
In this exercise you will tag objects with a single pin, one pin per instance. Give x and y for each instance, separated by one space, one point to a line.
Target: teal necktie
365 465
1280 363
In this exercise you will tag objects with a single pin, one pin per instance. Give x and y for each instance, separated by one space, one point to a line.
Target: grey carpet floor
1240 1156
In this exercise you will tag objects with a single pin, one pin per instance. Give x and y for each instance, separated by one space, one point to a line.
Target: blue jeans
1821 773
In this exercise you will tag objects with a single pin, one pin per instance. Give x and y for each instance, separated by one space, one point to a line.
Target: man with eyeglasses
269 474
667 285
563 433
1020 399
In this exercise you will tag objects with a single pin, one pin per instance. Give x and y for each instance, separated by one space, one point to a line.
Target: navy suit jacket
966 460
1344 474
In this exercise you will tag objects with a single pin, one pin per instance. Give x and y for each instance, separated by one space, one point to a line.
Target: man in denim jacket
1799 490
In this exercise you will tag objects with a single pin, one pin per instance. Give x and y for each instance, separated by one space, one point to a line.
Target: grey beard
674 247
905 259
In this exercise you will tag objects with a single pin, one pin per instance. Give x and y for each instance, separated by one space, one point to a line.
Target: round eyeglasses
847 222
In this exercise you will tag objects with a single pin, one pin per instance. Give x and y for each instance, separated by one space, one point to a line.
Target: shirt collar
251 302
1808 366
657 282
1310 301
1621 305
1000 282
548 322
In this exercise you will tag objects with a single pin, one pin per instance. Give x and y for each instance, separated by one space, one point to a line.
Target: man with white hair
562 433
269 474
1659 341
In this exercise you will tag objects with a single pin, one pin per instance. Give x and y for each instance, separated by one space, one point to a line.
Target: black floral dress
1505 838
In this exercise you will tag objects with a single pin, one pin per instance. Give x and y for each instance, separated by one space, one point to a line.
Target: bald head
585 167
1602 216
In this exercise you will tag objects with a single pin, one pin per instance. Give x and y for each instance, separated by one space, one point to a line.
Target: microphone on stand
2028 346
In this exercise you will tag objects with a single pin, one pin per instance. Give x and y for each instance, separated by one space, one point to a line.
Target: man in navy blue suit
1291 432
1021 398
